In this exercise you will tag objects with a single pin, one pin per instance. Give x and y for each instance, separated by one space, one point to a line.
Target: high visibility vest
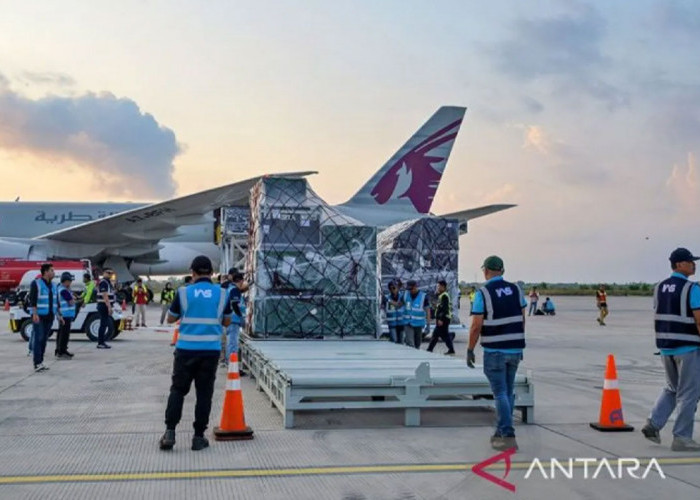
674 322
235 318
67 310
415 312
449 304
110 288
42 297
167 296
90 292
504 327
202 307
395 316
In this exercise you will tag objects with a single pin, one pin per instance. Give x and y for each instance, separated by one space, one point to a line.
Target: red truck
17 274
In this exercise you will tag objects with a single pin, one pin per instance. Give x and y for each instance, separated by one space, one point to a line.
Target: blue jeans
40 335
396 334
682 390
500 369
533 308
232 339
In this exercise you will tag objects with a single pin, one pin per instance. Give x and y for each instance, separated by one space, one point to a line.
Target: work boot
450 353
684 444
510 442
69 354
199 443
495 437
103 346
168 440
651 433
63 355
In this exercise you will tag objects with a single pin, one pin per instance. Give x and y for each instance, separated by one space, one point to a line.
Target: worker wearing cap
417 314
677 327
105 299
42 303
202 308
65 303
498 317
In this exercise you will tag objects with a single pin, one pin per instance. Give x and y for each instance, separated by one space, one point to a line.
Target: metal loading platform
301 375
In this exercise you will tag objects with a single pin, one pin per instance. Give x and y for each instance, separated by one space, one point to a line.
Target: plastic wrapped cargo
314 271
425 250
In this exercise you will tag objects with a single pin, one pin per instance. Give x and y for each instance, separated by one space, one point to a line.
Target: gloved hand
471 358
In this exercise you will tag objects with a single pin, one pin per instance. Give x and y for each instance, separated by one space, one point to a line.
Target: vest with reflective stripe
395 316
202 305
448 315
415 312
42 297
67 310
674 323
503 327
100 299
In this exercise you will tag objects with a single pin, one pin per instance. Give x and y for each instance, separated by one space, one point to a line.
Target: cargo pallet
300 375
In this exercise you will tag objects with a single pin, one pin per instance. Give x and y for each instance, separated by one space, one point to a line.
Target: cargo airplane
162 238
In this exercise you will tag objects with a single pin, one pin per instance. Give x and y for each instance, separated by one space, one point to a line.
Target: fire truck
16 275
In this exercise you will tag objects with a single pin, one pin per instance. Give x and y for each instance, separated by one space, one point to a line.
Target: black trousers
63 336
442 332
188 368
104 322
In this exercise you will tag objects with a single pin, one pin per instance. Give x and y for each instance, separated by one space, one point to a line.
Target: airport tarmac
89 427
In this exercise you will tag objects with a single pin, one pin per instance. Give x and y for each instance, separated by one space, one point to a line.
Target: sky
584 114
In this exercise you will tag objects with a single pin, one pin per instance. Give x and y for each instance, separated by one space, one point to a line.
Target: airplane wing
156 221
466 215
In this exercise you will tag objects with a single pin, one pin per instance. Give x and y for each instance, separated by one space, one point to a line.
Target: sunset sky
586 115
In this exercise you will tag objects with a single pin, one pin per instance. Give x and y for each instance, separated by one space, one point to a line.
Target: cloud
46 78
536 139
565 49
680 18
683 186
4 82
127 151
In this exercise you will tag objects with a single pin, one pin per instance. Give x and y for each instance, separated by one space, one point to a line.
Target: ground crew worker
472 294
443 316
498 317
534 299
140 299
677 326
166 298
395 313
202 309
65 303
105 299
42 302
235 298
417 314
89 296
601 300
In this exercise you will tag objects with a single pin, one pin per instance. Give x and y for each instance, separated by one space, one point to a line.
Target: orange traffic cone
7 305
232 426
611 419
176 333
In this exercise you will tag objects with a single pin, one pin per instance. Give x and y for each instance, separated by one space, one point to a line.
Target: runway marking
301 471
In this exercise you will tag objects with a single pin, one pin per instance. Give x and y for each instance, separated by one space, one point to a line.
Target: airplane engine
18 250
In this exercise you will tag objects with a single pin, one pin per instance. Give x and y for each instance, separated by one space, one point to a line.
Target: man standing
395 313
140 299
443 315
202 308
601 300
235 299
417 314
534 299
166 298
498 316
66 310
105 299
677 326
42 302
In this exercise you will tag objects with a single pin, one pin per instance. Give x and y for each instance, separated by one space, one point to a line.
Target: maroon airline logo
478 469
424 177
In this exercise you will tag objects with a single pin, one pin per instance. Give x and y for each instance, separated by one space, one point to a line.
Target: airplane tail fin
409 180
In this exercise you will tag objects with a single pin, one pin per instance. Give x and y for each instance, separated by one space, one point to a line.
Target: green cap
493 263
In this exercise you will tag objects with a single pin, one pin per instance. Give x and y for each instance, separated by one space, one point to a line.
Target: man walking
202 309
105 299
140 299
498 317
417 314
166 298
601 300
677 327
443 315
42 302
66 310
534 299
395 313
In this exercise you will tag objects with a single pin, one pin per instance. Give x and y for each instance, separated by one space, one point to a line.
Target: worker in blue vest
417 315
235 297
498 317
66 314
677 326
105 299
395 313
42 303
202 308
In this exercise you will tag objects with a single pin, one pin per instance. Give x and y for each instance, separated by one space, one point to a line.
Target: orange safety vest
602 296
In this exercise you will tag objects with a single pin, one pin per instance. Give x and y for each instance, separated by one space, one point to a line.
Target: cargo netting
425 250
314 270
